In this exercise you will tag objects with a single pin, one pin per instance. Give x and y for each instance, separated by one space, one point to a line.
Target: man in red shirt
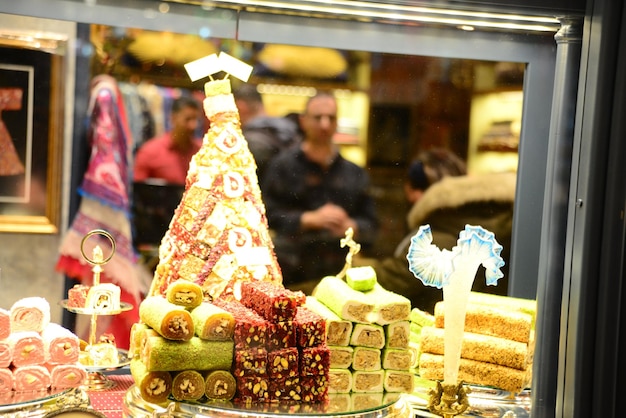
167 157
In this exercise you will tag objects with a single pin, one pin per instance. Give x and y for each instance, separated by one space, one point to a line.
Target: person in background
167 157
447 199
266 135
312 196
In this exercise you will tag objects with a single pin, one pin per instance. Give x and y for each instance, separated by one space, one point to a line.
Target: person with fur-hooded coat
447 206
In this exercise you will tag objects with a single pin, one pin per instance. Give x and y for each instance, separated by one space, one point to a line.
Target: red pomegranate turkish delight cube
314 361
270 300
310 328
250 362
286 389
281 335
283 363
252 389
314 388
250 329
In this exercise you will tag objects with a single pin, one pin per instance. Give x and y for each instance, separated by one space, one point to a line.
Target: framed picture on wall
30 139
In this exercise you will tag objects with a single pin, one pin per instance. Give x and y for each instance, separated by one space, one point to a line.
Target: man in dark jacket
266 135
313 196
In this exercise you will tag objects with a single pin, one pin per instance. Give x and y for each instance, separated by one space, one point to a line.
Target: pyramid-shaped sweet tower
219 236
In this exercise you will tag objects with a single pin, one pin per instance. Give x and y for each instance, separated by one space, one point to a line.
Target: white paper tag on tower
235 67
203 67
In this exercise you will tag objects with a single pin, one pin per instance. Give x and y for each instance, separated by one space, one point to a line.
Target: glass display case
559 171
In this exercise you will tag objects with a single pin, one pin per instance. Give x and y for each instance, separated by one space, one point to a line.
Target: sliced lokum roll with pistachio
399 381
220 385
366 358
338 330
188 385
398 358
184 293
213 323
388 306
368 381
347 303
171 321
339 381
155 387
397 334
368 335
341 356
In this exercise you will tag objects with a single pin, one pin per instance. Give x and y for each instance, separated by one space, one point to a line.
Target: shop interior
392 104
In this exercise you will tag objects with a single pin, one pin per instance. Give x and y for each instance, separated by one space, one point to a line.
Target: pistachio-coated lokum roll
155 387
212 322
344 301
220 385
188 385
184 293
171 321
338 330
161 354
